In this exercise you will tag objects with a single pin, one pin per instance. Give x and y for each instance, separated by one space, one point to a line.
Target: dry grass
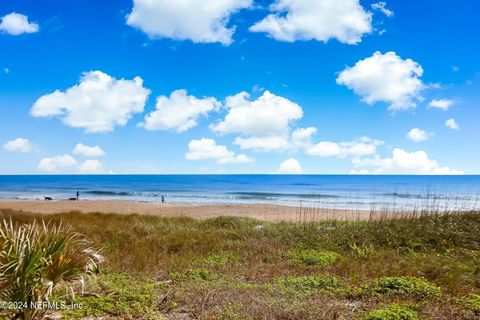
232 268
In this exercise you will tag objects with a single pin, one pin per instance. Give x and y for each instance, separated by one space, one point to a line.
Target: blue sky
328 87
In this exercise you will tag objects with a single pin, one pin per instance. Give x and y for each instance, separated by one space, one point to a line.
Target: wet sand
266 212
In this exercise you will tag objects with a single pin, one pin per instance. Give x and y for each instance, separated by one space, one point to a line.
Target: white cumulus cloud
207 149
443 104
88 151
382 7
403 162
195 20
263 143
290 166
16 24
321 20
418 135
264 123
302 137
387 78
178 112
452 124
18 145
325 149
54 163
91 166
98 103
361 147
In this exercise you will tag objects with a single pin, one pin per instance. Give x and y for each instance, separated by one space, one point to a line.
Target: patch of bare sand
266 212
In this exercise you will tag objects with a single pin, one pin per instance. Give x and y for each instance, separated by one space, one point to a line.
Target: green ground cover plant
394 312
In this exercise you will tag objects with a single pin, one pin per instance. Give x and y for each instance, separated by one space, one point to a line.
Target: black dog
48 199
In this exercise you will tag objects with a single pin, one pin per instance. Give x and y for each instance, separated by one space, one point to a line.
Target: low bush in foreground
117 295
413 287
472 302
394 312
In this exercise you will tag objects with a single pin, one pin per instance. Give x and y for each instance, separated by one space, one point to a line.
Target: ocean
362 192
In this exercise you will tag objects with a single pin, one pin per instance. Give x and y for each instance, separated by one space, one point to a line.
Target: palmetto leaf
36 257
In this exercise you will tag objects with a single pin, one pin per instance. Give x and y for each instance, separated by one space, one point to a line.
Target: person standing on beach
163 199
78 194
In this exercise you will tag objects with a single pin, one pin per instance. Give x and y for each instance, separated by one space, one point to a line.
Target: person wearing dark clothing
163 199
78 195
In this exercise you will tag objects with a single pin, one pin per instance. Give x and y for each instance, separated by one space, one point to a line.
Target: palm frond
36 257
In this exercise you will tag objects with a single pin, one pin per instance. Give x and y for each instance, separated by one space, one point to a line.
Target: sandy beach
265 212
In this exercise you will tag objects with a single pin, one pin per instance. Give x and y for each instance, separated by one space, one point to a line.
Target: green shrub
472 302
118 295
217 259
310 257
417 288
200 274
394 312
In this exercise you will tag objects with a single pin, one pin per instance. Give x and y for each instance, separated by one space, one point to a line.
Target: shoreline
266 212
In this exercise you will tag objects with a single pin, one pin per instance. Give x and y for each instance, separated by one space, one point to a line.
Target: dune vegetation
417 267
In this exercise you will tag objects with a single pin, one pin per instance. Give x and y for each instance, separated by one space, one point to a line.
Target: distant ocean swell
431 196
273 195
109 193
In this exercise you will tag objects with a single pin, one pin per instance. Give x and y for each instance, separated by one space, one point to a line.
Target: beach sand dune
266 212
